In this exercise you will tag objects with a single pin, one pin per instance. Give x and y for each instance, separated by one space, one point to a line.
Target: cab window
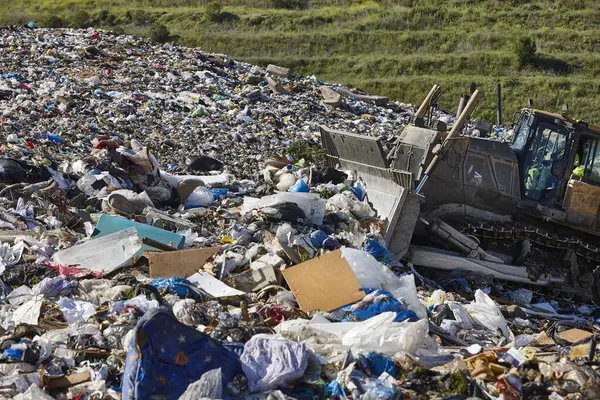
547 146
587 159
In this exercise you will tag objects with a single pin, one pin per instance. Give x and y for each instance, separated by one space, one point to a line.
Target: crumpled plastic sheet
485 312
55 287
270 361
24 210
76 310
140 303
209 386
383 388
189 312
33 392
20 295
43 250
10 255
372 274
381 334
29 312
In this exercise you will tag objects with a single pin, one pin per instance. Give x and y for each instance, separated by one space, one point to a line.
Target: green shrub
525 50
140 17
111 19
102 15
304 149
213 11
81 19
53 21
290 4
160 33
106 18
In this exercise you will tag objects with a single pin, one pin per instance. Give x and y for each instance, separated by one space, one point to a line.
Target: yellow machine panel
582 203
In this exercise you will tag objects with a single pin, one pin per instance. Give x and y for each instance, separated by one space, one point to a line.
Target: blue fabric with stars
165 356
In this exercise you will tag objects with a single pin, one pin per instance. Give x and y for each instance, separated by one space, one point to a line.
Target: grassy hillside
395 48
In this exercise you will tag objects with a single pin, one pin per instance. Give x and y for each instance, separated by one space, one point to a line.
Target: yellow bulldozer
525 210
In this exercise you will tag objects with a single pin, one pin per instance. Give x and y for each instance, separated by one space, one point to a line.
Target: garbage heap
169 231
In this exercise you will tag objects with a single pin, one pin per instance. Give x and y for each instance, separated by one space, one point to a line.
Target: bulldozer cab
541 146
559 167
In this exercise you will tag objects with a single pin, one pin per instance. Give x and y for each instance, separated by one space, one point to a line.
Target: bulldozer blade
387 189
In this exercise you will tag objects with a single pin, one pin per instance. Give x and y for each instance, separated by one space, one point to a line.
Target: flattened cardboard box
324 283
182 263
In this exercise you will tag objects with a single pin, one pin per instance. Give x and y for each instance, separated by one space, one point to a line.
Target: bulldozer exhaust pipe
461 103
426 103
460 121
498 105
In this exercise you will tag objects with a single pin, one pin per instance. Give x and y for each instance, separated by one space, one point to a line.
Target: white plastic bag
200 197
460 315
29 312
486 313
10 255
75 310
286 181
437 298
270 361
382 335
346 201
20 295
374 275
33 393
209 386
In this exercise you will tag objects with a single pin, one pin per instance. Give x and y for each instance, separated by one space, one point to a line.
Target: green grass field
394 48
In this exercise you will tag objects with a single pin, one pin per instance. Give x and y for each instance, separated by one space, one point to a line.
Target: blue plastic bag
317 238
334 389
378 251
300 186
175 285
55 138
378 364
391 304
359 191
13 354
165 356
219 192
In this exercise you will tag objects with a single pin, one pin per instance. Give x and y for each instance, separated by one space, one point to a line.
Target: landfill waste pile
169 231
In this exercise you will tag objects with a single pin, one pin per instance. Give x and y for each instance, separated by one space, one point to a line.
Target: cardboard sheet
575 335
178 263
61 382
544 340
580 351
324 283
